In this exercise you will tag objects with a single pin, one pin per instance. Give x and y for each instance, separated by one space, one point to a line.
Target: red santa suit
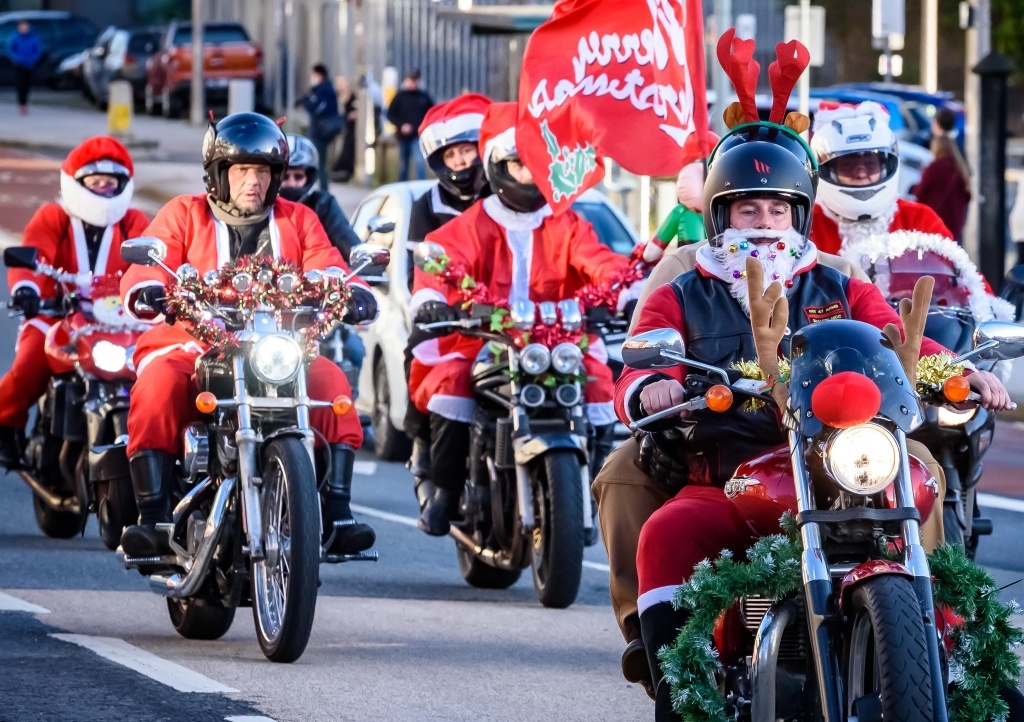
163 399
907 216
535 256
58 231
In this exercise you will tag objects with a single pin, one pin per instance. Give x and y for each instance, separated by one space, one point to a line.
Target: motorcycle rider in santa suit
512 241
244 156
81 232
449 136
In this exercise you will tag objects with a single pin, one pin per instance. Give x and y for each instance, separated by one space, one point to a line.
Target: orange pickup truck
228 53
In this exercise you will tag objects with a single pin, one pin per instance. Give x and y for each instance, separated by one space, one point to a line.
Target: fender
108 462
541 443
866 570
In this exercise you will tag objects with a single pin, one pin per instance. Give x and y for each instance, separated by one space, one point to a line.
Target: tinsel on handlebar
254 284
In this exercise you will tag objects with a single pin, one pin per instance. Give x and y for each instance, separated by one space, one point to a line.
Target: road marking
1001 502
364 468
13 604
409 521
156 668
249 718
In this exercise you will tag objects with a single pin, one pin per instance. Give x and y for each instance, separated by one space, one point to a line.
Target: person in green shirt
685 224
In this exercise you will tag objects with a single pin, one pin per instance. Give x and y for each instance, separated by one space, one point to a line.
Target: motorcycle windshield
831 347
951 327
903 272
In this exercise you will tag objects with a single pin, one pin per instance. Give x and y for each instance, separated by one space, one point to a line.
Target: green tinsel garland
982 660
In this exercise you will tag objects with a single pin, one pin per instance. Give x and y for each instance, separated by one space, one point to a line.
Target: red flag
623 80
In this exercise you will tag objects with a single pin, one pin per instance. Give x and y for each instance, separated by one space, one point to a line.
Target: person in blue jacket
325 122
24 48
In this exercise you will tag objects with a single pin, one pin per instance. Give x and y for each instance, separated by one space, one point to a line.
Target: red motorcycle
74 459
859 639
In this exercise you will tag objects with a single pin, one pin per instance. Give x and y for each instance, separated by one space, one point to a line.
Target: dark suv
62 34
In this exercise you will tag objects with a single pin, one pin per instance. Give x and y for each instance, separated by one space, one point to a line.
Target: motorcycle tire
887 653
951 529
557 558
115 509
199 618
389 442
484 576
56 524
284 595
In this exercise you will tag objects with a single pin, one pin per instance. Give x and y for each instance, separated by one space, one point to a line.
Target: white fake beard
858 237
778 263
93 209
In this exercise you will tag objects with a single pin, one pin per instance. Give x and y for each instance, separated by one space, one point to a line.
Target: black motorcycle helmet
758 160
464 184
302 155
243 138
520 197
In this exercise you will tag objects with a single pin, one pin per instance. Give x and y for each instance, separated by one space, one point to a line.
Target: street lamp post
197 111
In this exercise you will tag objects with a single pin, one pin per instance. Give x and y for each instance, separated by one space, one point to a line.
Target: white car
383 392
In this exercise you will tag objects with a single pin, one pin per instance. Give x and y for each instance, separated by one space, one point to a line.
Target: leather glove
26 299
436 312
362 307
152 296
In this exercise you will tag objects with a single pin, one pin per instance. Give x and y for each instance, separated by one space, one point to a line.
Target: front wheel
888 675
115 509
284 583
558 535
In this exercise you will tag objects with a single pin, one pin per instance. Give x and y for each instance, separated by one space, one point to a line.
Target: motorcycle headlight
275 359
109 357
952 417
566 357
535 359
863 459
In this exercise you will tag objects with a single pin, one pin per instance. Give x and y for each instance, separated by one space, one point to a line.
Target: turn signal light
956 389
719 398
206 402
341 405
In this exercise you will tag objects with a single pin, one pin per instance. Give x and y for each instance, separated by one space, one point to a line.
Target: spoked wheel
887 676
558 534
480 575
284 583
115 509
200 618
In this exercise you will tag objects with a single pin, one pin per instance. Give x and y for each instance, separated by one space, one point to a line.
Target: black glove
436 312
153 296
26 298
362 307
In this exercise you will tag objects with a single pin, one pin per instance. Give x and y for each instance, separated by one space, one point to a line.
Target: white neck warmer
93 209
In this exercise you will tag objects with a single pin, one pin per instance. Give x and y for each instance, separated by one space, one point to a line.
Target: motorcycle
859 640
74 458
247 526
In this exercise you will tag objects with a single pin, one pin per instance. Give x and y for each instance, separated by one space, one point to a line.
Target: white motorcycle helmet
843 136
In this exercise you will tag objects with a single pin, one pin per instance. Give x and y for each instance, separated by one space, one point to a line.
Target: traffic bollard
120 107
241 96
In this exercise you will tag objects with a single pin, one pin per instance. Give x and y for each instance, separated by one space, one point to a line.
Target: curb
137 144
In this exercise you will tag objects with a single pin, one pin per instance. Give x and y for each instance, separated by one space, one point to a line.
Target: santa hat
457 121
830 110
498 133
99 154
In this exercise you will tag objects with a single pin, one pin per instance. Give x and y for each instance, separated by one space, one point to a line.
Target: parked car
69 72
922 105
119 54
383 393
228 54
62 34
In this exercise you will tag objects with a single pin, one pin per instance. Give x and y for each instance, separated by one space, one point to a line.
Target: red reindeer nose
846 399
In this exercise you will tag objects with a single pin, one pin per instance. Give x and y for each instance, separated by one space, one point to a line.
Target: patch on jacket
828 312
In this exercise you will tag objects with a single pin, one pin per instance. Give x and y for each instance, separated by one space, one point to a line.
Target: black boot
10 448
151 474
601 445
660 625
419 465
449 452
350 536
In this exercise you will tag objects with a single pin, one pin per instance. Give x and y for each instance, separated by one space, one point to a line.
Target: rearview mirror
369 258
658 349
426 252
380 224
145 251
21 257
1008 340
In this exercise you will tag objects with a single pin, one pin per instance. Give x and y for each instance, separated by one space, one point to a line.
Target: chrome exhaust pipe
487 556
69 504
766 659
186 585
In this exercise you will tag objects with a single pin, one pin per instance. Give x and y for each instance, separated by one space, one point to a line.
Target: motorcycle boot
449 453
636 668
601 445
10 447
343 533
419 465
660 625
151 472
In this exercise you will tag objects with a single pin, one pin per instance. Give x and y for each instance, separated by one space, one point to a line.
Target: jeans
22 81
410 147
322 148
355 349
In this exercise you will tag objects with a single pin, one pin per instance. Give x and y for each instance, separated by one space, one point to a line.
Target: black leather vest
717 332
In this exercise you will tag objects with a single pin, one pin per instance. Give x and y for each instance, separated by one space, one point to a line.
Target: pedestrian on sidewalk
321 102
345 165
24 48
945 184
406 112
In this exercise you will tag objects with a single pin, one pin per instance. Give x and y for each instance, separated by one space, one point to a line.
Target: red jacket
194 236
61 243
942 189
910 216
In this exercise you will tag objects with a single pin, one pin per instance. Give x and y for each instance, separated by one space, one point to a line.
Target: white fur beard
777 262
858 237
95 210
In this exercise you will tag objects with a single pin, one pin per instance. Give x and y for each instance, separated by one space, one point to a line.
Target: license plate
217 83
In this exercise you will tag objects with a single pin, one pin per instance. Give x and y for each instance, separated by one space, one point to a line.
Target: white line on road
249 718
409 521
13 604
1001 502
364 468
168 673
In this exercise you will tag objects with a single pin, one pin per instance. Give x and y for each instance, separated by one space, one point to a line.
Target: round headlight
952 417
863 459
109 357
275 359
566 357
535 359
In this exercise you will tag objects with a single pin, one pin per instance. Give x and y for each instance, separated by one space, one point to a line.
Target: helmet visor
860 168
